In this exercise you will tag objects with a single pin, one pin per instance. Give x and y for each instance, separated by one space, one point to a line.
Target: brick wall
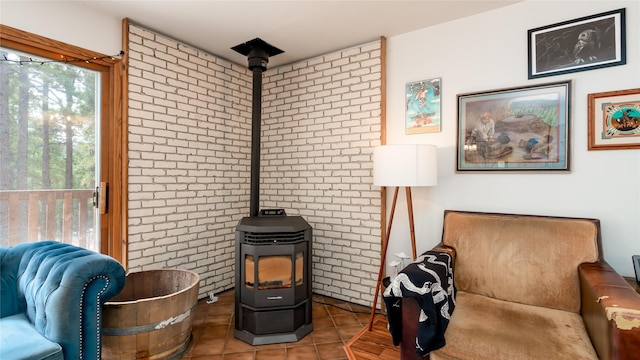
189 140
321 119
189 159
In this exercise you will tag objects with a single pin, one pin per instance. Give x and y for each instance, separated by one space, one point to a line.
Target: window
61 137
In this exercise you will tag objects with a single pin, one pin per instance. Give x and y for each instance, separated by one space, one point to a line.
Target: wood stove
273 250
273 284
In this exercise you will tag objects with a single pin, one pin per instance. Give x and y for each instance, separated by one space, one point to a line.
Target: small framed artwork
586 43
614 120
422 106
516 129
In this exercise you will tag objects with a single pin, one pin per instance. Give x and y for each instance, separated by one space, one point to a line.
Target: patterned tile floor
334 323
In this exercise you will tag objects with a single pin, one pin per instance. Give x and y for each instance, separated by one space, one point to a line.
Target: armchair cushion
23 341
501 330
506 256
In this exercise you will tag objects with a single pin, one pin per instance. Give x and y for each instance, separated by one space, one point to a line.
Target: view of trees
47 144
47 124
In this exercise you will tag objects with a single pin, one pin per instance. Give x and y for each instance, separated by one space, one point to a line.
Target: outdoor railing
35 215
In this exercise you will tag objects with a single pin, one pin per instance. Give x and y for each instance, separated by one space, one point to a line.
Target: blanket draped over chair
430 281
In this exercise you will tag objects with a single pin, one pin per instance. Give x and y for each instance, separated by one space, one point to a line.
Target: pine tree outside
49 113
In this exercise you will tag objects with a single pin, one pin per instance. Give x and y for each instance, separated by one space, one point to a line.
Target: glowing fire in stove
274 272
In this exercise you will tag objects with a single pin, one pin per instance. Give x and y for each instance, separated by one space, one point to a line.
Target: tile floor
334 323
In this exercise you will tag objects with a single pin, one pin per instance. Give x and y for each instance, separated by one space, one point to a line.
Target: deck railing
35 215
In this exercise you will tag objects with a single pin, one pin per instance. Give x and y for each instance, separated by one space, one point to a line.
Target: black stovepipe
255 142
257 52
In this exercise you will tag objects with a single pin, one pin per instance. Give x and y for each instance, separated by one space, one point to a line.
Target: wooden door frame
113 162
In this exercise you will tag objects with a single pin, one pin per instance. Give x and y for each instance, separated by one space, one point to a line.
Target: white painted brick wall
316 162
189 160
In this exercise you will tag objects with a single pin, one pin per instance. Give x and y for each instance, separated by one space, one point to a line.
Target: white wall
68 21
489 51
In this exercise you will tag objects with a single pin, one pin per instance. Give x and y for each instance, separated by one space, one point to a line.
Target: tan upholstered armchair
531 287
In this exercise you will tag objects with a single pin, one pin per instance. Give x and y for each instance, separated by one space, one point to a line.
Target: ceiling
302 28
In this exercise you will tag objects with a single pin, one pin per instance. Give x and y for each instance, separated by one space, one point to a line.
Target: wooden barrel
152 317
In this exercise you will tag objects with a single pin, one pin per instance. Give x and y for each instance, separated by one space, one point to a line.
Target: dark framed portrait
586 43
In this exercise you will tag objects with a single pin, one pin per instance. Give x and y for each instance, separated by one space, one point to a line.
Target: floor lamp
402 166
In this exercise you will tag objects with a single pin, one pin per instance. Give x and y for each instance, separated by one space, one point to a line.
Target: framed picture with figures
515 129
614 120
586 43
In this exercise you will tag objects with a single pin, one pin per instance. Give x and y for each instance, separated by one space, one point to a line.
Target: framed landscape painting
581 44
515 129
422 106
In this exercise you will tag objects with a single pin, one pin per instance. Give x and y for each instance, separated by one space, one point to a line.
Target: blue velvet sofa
51 297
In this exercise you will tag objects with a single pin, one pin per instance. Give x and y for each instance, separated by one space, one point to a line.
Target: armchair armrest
64 287
610 310
447 249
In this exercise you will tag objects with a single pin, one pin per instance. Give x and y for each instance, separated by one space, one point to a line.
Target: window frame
113 222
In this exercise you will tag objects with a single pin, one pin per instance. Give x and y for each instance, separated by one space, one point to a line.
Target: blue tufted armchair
51 297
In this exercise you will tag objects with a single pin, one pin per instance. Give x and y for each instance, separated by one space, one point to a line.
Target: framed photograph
515 129
422 106
614 120
587 43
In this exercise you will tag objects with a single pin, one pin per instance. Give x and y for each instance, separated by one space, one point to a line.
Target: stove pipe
257 52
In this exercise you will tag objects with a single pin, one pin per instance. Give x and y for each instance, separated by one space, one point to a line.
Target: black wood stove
273 283
273 250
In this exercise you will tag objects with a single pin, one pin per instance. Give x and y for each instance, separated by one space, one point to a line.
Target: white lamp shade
405 165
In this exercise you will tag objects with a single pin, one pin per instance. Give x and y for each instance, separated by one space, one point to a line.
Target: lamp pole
407 166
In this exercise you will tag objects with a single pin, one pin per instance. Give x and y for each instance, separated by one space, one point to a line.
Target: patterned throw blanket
430 281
